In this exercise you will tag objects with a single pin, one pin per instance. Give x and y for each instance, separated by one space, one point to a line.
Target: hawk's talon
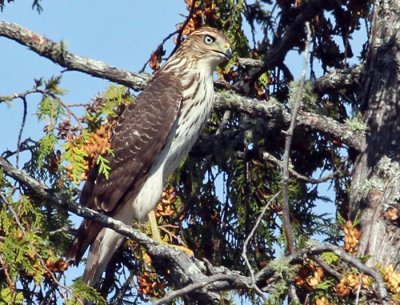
155 232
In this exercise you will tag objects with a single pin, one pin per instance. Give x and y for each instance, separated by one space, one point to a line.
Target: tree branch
200 284
381 290
56 52
268 156
311 251
334 81
329 126
275 111
338 80
249 237
281 47
43 192
288 144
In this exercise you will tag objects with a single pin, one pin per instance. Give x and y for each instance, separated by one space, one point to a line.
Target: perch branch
186 270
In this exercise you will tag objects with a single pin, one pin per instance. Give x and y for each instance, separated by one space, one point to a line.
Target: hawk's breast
198 97
197 100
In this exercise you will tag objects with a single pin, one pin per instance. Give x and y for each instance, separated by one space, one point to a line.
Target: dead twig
268 156
286 156
196 285
288 143
246 242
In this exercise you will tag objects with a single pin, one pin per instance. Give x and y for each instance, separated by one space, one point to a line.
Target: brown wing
139 136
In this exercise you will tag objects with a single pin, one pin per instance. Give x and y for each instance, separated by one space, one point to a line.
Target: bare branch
326 267
10 208
21 129
197 285
56 52
339 79
329 126
183 26
268 156
158 48
70 113
288 143
246 242
334 81
270 111
44 92
8 98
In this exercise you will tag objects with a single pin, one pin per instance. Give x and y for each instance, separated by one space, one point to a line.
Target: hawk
150 139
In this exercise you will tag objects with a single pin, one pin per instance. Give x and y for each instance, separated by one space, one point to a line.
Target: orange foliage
322 301
166 206
309 276
98 144
351 237
202 10
150 285
391 279
350 283
156 58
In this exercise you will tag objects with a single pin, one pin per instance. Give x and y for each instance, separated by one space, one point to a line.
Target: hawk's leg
155 232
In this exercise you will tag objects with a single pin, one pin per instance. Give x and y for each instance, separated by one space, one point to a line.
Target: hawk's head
207 46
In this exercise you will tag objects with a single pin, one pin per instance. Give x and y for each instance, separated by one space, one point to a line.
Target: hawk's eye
209 39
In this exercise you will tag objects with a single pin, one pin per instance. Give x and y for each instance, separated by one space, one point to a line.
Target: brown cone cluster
309 276
391 279
351 237
166 207
350 283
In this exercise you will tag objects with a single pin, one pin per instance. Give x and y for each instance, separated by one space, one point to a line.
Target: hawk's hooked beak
227 51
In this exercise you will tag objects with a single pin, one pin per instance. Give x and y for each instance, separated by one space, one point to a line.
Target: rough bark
375 189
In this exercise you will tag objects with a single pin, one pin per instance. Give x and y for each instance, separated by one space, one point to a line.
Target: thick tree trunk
375 189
